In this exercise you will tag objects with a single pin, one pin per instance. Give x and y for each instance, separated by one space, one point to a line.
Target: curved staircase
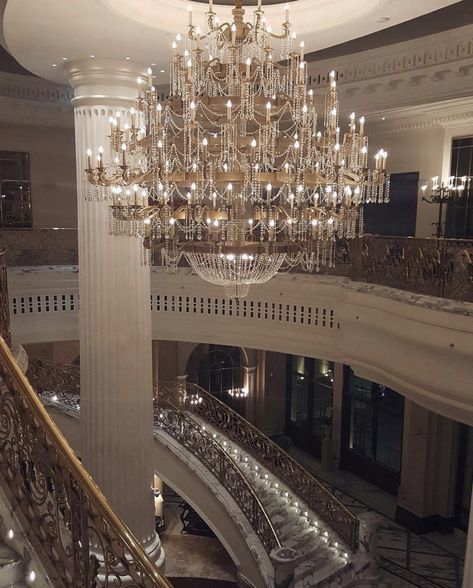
284 504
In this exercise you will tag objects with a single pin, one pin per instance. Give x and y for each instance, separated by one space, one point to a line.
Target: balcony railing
4 302
434 267
73 529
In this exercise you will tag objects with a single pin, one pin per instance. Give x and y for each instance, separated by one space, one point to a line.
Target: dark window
373 426
15 201
398 217
459 221
309 401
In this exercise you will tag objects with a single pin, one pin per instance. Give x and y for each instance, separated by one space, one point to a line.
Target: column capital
106 82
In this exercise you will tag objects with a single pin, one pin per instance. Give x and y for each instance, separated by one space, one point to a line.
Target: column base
422 525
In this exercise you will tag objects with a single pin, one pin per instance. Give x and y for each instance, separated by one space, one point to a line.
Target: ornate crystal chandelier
235 170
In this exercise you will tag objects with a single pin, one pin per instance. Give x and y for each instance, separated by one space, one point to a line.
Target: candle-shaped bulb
174 45
248 67
296 144
89 152
189 10
286 11
123 146
301 47
332 75
253 143
178 37
100 150
205 142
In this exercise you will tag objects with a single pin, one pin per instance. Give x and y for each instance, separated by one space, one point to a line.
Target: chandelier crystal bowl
235 171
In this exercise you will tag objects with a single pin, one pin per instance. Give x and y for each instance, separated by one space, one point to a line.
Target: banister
57 498
210 453
275 459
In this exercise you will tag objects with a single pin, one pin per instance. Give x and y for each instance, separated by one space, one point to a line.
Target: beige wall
421 150
53 170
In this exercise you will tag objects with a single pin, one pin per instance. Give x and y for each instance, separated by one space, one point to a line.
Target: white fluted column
115 319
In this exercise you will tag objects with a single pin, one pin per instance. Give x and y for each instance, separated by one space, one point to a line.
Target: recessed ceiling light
153 64
162 70
91 55
128 58
383 19
64 58
383 118
54 64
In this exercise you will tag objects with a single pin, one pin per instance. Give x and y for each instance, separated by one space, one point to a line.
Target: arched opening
219 369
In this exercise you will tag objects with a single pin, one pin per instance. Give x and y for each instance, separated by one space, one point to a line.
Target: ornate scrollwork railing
4 302
46 376
435 267
168 415
70 524
283 466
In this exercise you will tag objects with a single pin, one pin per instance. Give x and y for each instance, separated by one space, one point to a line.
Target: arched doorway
220 370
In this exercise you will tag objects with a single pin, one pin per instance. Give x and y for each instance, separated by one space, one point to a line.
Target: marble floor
192 560
407 559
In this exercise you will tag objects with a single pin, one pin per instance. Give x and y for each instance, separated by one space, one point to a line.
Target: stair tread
8 556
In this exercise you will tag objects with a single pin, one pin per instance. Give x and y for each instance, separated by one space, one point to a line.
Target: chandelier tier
235 170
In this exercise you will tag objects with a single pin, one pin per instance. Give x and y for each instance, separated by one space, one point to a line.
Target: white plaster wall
420 150
52 168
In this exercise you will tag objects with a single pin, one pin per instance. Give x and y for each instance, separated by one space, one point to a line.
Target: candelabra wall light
236 170
445 192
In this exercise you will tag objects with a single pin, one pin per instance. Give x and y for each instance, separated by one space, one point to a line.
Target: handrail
70 523
282 465
4 301
169 416
434 267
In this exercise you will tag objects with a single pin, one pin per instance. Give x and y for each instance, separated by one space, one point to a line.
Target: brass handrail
435 267
4 300
169 416
275 459
71 525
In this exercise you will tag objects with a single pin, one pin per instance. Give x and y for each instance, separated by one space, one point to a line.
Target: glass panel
15 201
322 401
299 398
361 427
298 364
322 395
361 388
389 438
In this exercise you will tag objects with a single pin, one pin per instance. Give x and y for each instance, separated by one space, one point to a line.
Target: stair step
11 567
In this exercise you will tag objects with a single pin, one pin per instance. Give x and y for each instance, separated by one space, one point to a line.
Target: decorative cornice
35 89
425 70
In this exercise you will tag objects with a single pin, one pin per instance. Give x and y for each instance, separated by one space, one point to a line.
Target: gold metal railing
59 387
4 301
282 465
436 267
170 416
69 522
